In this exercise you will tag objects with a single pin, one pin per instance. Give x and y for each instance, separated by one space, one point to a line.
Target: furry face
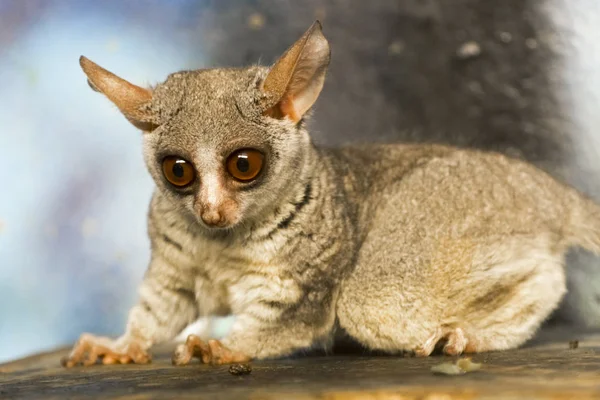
224 145
239 160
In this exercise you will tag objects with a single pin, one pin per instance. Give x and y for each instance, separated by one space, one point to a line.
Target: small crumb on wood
573 344
467 365
240 369
468 50
447 369
461 367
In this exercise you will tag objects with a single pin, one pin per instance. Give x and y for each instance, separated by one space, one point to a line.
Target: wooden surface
540 371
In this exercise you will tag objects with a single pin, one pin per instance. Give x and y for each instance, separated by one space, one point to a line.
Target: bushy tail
584 229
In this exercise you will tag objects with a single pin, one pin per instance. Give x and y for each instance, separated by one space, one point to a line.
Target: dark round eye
178 171
245 165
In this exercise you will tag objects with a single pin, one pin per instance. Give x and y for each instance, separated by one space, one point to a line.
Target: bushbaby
398 247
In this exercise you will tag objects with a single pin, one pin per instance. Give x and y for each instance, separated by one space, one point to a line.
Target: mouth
221 226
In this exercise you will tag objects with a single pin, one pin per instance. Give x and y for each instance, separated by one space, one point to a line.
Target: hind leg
513 307
497 301
510 310
381 310
505 317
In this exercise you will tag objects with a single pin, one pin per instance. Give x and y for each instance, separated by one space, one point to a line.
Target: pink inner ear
285 108
297 77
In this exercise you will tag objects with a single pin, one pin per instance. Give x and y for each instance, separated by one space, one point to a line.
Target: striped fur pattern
397 247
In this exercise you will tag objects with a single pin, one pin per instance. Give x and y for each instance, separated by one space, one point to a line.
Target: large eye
245 165
178 171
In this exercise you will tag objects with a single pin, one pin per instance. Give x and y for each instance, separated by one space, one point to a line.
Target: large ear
132 100
295 81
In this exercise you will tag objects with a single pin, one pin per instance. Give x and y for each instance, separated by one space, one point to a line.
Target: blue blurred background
74 189
73 241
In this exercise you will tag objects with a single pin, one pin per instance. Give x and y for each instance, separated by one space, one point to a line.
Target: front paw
212 352
90 348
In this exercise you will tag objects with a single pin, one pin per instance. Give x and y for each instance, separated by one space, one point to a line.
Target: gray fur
400 247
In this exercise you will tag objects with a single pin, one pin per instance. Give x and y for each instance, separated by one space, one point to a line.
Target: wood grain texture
547 369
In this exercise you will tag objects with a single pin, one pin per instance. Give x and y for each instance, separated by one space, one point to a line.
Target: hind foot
427 348
456 342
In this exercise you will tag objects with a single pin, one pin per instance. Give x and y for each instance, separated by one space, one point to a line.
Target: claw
456 342
222 355
427 348
108 360
212 353
181 356
89 349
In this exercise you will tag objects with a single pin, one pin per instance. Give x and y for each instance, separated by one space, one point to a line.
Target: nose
213 218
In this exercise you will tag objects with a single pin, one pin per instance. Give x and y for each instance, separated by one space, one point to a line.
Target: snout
214 218
214 204
222 215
